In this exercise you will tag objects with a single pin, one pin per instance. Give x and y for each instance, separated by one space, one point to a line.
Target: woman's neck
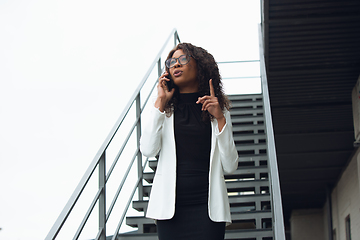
189 89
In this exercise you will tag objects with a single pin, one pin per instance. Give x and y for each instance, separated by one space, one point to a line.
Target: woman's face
185 76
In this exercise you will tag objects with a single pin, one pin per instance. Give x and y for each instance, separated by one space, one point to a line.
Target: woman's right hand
164 95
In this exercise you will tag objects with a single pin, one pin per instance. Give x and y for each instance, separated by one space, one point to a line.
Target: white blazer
158 136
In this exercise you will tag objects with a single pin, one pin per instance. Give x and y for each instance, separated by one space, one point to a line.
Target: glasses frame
167 62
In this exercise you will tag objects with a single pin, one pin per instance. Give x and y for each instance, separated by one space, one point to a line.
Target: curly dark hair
207 69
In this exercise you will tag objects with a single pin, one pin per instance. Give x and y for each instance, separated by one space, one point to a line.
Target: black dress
193 146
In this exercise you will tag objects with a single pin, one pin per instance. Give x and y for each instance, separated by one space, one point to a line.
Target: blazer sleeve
150 141
227 149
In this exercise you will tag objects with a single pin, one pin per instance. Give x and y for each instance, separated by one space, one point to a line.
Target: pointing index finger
212 91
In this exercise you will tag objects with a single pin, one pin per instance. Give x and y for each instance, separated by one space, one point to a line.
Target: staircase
254 189
248 186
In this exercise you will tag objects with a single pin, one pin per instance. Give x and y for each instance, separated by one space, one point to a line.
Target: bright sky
67 68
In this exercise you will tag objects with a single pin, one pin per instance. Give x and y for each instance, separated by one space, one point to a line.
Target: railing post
175 38
139 155
102 198
278 220
159 67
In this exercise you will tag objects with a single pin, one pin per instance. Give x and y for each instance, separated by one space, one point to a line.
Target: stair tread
246 117
265 195
261 155
252 195
248 134
248 181
149 220
237 181
248 233
253 156
247 106
228 233
234 97
250 144
250 212
232 196
254 180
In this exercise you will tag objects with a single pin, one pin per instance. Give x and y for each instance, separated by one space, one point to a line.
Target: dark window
348 228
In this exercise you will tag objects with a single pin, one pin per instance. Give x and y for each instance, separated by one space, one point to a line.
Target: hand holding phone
165 91
170 84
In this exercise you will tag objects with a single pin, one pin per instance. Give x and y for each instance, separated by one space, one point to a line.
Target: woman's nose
177 64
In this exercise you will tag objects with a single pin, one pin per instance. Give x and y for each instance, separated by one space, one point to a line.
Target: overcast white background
67 69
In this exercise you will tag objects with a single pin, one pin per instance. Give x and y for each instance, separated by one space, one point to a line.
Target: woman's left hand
211 103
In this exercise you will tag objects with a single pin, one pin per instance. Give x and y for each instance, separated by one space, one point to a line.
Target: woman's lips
177 73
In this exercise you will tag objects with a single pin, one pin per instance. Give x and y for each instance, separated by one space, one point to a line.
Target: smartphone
170 84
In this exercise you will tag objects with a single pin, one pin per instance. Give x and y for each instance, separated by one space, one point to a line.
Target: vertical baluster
139 155
159 67
175 38
102 198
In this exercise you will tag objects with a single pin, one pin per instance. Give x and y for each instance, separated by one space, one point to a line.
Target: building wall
346 200
311 224
307 224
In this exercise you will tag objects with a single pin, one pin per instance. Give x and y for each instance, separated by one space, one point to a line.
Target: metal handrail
278 220
99 160
227 78
245 61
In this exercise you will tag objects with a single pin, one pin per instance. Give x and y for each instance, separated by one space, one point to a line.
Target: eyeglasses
183 59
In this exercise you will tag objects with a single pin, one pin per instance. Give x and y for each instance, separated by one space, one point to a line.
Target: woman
190 128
